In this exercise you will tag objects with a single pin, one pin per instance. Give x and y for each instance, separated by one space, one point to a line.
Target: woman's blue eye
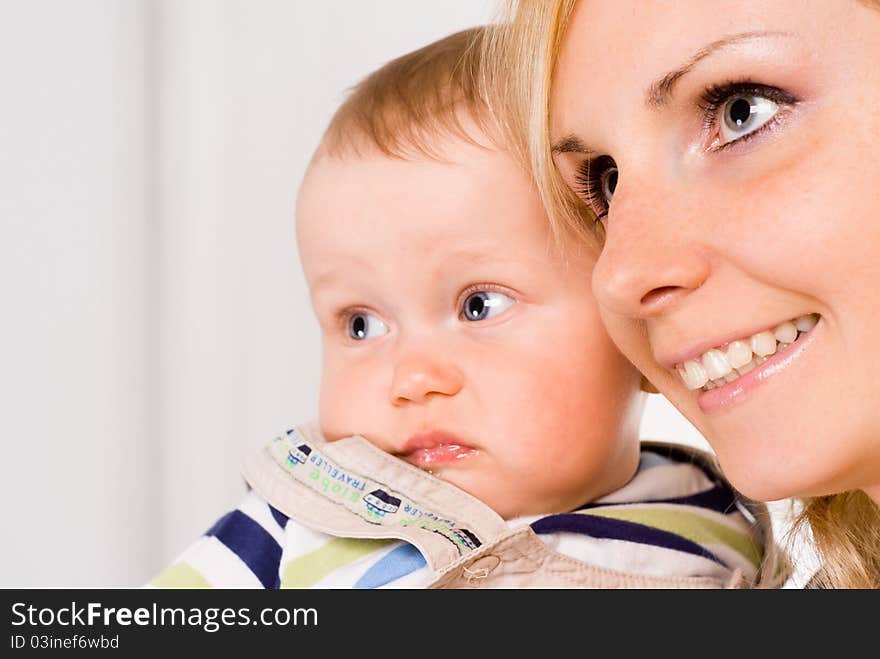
365 326
734 111
744 114
485 304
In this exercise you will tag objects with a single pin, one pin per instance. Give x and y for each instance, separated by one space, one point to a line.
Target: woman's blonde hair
846 530
520 59
520 55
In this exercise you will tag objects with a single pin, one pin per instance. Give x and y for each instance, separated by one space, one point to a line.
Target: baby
477 426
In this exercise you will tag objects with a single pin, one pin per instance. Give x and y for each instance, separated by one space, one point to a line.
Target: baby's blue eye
485 304
365 326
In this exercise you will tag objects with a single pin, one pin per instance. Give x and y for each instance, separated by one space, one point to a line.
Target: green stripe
690 525
308 569
180 575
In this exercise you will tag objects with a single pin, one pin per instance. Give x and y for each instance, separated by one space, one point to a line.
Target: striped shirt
674 518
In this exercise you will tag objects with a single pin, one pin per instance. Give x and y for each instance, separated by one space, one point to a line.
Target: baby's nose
419 376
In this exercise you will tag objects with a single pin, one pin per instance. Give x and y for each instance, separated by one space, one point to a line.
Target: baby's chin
511 510
508 503
333 433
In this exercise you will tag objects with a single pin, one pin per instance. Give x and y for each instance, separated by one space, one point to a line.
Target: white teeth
739 353
742 370
786 333
763 344
806 323
682 374
715 364
694 374
719 366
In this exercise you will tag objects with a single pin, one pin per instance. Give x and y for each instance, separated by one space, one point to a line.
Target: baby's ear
647 387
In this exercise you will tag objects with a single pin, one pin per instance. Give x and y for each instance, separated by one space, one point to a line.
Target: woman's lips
734 392
434 449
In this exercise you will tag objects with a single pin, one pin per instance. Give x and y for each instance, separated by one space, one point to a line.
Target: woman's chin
758 480
765 478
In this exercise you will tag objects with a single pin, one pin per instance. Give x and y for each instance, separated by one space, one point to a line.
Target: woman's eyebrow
660 91
570 144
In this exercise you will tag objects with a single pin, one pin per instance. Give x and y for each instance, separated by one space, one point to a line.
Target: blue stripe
681 456
251 543
720 499
617 529
280 517
397 563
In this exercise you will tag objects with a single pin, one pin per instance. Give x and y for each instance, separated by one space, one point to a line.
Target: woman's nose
648 263
419 376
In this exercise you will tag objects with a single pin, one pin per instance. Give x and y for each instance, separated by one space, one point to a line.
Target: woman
729 155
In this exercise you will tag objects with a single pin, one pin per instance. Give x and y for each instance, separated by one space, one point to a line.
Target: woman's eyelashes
738 111
596 180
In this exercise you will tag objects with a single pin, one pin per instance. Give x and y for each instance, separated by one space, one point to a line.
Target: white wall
77 458
155 324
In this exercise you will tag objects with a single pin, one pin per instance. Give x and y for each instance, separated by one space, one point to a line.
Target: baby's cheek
338 412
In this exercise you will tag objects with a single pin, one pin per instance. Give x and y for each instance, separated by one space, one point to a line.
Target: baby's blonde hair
521 58
440 90
402 107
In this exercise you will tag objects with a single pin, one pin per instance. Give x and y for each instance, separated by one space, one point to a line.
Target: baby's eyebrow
324 280
336 269
660 91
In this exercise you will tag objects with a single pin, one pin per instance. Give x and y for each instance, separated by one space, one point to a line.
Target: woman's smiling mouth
725 374
727 363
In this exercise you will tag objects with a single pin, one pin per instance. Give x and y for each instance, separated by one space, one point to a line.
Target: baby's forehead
462 178
474 206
